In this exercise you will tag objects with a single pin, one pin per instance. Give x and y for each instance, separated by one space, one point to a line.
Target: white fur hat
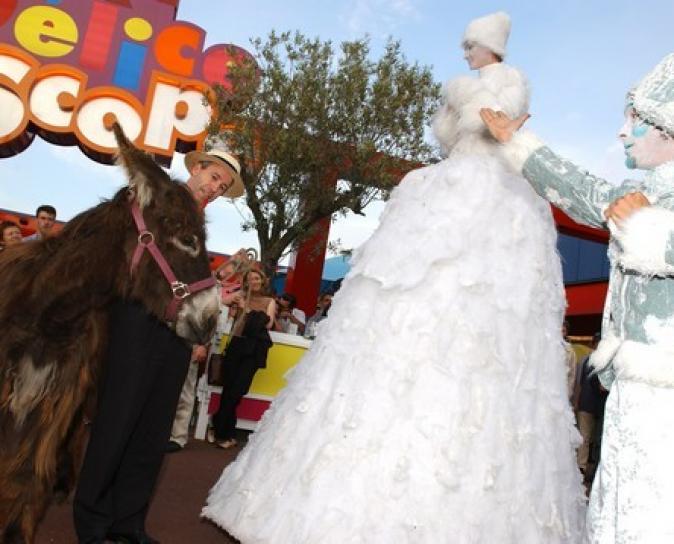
490 31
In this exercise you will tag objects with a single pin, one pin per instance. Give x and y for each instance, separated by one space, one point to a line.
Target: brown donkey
53 299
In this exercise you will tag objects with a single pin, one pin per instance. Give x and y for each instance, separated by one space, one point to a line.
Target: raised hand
623 207
500 125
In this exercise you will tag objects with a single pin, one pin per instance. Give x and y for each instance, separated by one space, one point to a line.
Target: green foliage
320 133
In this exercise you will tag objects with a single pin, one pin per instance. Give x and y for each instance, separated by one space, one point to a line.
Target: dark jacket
252 346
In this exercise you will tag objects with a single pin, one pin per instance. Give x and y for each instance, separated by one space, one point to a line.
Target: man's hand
500 125
623 207
199 354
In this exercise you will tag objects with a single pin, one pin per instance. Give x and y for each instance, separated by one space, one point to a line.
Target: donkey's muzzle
198 317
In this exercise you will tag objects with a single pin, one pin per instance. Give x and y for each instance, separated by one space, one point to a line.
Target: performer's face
478 56
645 146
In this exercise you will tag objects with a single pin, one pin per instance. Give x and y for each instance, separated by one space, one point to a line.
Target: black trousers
142 375
237 377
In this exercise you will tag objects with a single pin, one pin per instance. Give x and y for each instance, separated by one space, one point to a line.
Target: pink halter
180 290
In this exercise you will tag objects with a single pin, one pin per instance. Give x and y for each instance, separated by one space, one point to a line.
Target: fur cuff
603 355
651 364
644 239
520 148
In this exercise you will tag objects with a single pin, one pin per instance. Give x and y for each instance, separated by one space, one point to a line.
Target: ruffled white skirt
432 406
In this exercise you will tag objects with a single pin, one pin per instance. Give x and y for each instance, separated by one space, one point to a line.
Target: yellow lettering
46 31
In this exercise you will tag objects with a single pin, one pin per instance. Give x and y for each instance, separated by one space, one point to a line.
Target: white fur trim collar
639 362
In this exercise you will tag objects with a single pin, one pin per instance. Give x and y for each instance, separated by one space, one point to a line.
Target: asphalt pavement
184 483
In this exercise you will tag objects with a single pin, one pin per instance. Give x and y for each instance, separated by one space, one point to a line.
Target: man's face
45 222
645 146
478 56
283 303
209 181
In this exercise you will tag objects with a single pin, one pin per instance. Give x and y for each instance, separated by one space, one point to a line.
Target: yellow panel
581 351
269 381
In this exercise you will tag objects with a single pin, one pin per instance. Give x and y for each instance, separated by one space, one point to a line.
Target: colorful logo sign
69 68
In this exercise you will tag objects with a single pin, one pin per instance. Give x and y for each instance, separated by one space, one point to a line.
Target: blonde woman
245 353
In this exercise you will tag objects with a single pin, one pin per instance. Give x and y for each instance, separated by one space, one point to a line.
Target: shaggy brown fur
53 298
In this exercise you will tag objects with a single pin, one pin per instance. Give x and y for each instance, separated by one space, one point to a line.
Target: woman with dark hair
245 353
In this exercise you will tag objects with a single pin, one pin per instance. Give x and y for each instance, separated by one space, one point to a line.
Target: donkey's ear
144 175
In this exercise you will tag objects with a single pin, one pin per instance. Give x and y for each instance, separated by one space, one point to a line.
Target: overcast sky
581 56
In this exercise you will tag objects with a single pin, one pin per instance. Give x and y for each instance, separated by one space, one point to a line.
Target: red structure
306 268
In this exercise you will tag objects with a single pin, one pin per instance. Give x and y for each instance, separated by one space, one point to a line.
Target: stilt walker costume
432 406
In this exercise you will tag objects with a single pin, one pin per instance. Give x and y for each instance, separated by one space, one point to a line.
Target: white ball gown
432 406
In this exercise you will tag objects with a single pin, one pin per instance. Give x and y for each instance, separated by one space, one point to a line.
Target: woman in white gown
432 407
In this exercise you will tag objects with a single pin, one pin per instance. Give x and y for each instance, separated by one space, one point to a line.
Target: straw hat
219 156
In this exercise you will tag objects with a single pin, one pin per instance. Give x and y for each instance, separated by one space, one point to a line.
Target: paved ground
174 515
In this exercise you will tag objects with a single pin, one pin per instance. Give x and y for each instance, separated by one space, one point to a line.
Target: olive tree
320 131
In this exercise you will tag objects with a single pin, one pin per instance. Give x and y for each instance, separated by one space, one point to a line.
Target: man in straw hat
213 173
100 515
633 495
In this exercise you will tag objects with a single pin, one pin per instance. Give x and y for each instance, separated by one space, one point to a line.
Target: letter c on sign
170 44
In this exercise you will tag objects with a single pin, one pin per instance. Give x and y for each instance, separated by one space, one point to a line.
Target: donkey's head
170 285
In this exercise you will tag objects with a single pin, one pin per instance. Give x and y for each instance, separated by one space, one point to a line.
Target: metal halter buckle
145 238
180 290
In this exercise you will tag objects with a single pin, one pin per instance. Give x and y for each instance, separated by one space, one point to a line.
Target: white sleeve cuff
519 149
645 238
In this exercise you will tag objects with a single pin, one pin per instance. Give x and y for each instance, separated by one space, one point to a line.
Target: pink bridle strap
180 289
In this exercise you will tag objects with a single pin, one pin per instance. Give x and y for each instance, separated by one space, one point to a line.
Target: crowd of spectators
45 219
248 310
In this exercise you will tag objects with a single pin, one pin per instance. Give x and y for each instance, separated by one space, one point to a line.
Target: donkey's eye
190 241
187 243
